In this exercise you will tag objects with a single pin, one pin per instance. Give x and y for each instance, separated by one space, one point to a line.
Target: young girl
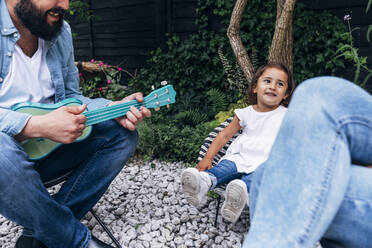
270 91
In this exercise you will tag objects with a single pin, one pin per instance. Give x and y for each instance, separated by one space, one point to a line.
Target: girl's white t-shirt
28 79
253 145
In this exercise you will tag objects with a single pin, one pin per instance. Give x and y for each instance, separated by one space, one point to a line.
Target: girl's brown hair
291 84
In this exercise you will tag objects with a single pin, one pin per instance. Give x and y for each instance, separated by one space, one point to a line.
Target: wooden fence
128 30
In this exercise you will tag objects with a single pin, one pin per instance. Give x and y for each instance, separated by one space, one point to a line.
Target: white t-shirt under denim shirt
253 145
28 79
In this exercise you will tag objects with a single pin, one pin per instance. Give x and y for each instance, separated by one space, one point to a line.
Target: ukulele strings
117 110
93 119
120 106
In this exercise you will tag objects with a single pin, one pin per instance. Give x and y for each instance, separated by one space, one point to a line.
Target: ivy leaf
368 5
363 60
344 47
369 31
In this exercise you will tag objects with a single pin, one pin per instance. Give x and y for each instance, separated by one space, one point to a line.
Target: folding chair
203 150
63 178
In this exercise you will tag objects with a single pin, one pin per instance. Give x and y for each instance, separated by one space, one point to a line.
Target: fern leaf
218 100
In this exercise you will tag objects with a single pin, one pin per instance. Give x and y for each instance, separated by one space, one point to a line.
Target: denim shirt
60 61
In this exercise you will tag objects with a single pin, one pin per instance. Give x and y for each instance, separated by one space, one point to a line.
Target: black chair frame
63 178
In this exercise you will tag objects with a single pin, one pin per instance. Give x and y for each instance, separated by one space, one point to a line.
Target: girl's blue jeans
226 171
315 184
54 220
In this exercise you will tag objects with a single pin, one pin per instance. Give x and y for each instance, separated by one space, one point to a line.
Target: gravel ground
144 207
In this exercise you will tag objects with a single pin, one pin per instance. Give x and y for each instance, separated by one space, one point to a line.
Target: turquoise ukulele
38 148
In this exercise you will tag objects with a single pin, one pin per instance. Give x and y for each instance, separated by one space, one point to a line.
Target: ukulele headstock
160 97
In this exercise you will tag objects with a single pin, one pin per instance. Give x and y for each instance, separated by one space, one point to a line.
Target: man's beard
35 20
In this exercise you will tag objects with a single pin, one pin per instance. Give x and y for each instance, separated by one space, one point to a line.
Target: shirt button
1 79
9 54
15 35
5 30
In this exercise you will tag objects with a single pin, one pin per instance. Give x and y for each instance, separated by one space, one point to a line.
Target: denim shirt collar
50 43
6 24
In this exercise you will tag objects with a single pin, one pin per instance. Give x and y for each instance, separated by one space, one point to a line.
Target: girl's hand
221 139
204 164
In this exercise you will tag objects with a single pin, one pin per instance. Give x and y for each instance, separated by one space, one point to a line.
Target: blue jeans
315 185
225 171
54 220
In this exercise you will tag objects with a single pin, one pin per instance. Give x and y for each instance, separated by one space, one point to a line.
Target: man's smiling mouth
55 14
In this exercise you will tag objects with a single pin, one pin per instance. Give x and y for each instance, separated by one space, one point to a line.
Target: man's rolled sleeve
11 122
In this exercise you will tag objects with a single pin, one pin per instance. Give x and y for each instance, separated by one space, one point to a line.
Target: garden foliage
201 67
194 67
351 55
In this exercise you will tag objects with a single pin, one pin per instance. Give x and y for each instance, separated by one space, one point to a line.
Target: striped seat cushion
211 136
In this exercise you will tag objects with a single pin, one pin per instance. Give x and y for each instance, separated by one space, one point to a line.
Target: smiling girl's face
271 89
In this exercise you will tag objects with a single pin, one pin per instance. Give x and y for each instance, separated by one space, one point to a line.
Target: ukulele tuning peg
152 87
157 109
164 83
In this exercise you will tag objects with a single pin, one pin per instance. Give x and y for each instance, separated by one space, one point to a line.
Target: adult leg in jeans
351 226
24 199
96 160
298 194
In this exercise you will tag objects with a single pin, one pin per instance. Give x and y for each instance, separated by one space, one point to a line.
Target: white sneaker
195 186
236 196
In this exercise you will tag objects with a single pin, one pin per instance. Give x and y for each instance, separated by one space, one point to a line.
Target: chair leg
217 210
106 229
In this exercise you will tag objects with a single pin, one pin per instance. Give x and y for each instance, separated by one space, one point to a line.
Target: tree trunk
281 45
233 32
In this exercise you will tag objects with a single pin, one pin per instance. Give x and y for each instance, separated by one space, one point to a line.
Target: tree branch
233 32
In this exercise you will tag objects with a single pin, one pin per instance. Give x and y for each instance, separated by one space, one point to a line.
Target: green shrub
223 115
191 117
315 35
193 66
187 65
167 141
202 66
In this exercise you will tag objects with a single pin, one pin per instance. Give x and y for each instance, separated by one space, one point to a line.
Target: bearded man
37 65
